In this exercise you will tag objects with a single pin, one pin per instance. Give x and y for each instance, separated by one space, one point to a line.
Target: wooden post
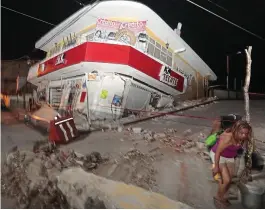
247 82
250 144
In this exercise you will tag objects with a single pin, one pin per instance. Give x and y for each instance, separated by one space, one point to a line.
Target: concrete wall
224 94
195 90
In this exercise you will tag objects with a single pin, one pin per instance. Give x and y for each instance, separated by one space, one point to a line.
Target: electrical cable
7 8
80 3
218 5
228 21
12 10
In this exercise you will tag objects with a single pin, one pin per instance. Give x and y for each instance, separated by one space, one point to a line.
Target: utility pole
228 71
251 143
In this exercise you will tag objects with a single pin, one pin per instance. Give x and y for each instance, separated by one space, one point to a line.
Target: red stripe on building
71 57
109 53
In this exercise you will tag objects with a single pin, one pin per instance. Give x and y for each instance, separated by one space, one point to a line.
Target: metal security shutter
55 97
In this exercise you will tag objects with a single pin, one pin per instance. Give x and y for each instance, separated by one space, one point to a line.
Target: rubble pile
30 177
143 172
187 142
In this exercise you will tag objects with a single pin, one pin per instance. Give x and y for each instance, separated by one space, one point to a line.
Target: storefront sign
166 77
60 59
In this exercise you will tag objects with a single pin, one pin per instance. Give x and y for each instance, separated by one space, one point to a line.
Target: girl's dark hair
241 124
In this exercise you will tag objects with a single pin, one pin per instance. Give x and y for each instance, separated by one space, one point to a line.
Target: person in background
224 122
217 126
223 155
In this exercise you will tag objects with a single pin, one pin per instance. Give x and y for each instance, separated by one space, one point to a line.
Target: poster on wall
131 33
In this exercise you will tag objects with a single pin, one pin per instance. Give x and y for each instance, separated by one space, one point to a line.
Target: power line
27 15
218 5
80 3
253 34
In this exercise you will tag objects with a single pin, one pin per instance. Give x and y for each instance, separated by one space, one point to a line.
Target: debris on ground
133 167
120 129
137 130
149 136
143 172
30 176
186 142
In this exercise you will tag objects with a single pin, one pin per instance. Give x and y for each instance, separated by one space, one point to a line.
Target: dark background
210 37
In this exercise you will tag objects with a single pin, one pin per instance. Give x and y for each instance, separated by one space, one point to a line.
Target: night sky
210 37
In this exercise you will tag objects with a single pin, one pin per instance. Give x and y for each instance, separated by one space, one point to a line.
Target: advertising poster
131 33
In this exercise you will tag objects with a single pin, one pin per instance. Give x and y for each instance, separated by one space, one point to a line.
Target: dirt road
15 133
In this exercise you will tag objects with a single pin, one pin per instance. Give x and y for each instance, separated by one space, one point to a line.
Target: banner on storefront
126 32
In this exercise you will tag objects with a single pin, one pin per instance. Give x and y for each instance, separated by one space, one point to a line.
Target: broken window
157 53
164 50
158 45
169 61
152 41
150 49
163 57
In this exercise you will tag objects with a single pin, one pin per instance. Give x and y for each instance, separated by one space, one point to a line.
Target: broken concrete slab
137 130
120 129
79 186
160 135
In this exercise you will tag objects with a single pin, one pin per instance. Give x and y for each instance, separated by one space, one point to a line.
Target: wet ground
183 176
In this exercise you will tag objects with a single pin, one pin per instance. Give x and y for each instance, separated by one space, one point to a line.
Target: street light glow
180 50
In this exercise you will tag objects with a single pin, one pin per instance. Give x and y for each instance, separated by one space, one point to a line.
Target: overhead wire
217 5
29 16
228 21
80 3
34 19
21 13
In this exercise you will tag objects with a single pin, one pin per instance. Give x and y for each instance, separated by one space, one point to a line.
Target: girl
223 155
